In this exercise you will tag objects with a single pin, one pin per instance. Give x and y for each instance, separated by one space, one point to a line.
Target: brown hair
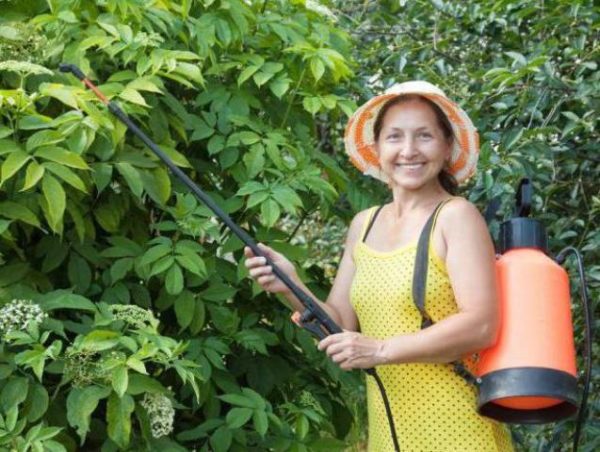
446 179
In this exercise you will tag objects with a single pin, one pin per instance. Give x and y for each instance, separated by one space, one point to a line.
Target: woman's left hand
352 350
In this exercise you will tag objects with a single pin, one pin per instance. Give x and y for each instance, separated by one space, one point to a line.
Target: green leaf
269 212
192 263
512 137
81 403
185 305
174 280
61 299
133 96
317 68
36 403
66 94
155 253
139 384
311 104
261 422
221 439
237 417
62 156
250 187
99 340
12 164
66 175
239 400
118 417
102 174
33 175
216 144
260 78
19 212
14 392
5 131
246 74
119 380
280 86
56 199
157 184
132 176
144 84
201 130
43 138
286 197
199 317
255 160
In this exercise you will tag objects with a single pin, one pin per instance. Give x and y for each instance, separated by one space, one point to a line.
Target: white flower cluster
161 413
133 315
18 314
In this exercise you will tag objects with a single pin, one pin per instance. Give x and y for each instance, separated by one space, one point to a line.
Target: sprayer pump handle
523 198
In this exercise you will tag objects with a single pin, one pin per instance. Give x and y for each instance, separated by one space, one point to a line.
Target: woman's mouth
410 165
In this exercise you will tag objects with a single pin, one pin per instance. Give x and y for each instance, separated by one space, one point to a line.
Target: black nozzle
67 67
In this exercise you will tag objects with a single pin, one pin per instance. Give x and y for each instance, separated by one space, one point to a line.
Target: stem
292 97
293 233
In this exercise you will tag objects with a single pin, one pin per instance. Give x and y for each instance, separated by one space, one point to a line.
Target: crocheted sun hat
359 138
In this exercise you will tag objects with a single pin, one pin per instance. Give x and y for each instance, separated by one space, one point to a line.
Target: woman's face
412 147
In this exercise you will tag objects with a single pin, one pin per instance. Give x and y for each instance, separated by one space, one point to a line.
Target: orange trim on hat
366 150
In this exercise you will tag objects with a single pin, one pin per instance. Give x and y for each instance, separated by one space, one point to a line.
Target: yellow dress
434 409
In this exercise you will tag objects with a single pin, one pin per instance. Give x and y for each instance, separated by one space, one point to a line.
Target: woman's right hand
263 274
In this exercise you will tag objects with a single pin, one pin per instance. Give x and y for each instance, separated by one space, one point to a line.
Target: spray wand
314 319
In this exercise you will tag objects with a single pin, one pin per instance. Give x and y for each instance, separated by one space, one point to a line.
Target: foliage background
250 98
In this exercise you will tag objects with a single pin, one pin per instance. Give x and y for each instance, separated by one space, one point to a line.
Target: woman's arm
338 305
470 265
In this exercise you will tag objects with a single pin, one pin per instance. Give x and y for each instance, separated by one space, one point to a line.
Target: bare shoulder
357 223
462 226
460 212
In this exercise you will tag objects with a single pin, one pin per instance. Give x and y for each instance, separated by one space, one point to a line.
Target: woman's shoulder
460 214
457 208
359 222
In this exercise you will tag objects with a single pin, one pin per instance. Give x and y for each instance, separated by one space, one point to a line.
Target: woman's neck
407 201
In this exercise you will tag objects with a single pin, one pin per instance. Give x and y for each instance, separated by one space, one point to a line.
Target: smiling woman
421 144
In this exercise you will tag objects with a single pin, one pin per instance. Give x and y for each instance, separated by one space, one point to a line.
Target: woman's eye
425 135
393 136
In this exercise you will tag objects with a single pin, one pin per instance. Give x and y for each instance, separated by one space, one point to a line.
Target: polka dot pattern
434 409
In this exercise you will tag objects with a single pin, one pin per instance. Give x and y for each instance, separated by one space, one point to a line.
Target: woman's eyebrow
418 129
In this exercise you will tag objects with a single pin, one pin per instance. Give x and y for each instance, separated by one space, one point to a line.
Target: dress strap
369 223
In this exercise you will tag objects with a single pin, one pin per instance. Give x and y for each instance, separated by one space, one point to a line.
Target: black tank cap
522 232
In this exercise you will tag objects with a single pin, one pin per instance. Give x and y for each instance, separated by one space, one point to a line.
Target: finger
332 338
255 261
265 280
248 252
261 271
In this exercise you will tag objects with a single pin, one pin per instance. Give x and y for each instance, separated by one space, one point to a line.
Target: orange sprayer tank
529 375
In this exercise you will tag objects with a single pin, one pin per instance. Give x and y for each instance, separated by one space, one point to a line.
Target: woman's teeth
410 165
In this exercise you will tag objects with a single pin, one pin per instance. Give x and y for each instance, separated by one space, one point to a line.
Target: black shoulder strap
419 286
371 222
420 271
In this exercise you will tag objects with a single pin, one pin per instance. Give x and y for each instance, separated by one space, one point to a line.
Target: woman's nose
408 148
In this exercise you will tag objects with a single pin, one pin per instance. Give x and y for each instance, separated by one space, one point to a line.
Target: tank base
500 391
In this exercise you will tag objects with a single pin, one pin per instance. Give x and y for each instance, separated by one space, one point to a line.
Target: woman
421 144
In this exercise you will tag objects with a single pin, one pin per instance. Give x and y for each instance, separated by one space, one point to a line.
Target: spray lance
314 319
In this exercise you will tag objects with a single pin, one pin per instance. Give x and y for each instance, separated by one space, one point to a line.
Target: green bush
152 336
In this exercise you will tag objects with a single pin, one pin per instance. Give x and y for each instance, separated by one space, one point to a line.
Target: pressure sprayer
529 376
314 319
517 384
